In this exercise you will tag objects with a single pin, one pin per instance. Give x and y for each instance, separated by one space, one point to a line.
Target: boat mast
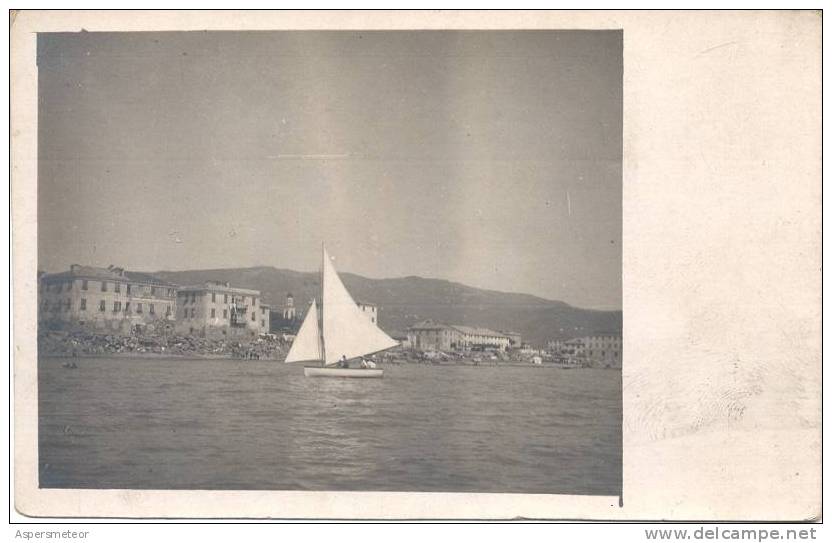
321 312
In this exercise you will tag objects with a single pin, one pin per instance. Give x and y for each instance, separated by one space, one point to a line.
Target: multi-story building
603 350
600 350
481 338
218 309
429 335
109 298
432 336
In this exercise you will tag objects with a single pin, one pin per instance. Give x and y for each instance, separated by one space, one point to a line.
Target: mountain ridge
402 301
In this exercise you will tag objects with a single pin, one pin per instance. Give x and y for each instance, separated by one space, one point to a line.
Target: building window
152 309
193 313
103 286
128 288
170 292
262 323
84 284
153 291
372 319
225 298
127 307
102 306
213 297
253 301
225 313
167 311
116 307
263 310
213 313
253 316
117 287
83 304
139 308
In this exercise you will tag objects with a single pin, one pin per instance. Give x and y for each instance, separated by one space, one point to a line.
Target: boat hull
355 373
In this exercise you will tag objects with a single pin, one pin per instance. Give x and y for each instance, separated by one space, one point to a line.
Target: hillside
405 300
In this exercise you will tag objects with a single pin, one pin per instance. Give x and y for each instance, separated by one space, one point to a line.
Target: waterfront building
530 350
603 350
481 339
111 299
596 350
429 335
218 309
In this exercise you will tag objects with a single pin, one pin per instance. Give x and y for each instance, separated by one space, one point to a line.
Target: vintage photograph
330 260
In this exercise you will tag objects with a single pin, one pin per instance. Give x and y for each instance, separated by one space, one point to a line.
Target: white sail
307 344
346 330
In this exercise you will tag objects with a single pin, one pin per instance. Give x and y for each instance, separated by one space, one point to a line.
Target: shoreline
154 356
211 357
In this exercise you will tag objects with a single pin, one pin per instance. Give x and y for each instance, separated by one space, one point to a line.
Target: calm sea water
226 424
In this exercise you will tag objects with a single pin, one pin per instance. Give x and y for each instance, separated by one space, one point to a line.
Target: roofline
219 288
47 277
479 331
456 327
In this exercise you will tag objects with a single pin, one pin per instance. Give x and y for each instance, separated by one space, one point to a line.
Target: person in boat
343 362
367 364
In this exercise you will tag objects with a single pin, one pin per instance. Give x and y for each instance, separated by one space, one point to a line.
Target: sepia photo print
362 261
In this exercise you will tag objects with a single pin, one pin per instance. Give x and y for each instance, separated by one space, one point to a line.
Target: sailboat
336 330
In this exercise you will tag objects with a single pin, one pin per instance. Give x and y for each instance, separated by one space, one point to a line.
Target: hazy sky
489 158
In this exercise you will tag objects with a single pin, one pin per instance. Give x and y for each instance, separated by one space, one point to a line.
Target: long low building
111 298
597 350
434 336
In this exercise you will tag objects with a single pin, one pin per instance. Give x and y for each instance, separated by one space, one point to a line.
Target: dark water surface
227 424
